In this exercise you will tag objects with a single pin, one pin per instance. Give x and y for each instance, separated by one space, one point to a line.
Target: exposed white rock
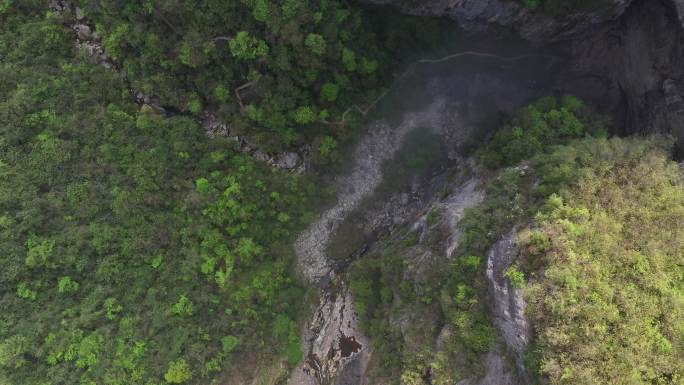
333 344
377 146
507 300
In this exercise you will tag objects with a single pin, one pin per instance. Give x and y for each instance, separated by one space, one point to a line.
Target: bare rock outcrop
508 304
636 67
336 352
378 146
626 56
506 15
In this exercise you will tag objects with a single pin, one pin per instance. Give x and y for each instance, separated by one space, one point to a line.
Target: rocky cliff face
508 304
635 64
626 55
507 15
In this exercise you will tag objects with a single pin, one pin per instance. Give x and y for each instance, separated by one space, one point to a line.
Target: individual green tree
101 237
283 217
23 291
284 330
178 372
315 43
323 114
246 47
38 251
368 66
564 122
328 146
157 261
191 52
229 343
12 352
194 103
329 92
349 59
183 307
146 118
115 41
470 262
411 377
292 8
66 285
304 115
222 93
5 6
89 349
255 113
112 308
262 11
531 4
203 185
247 250
516 276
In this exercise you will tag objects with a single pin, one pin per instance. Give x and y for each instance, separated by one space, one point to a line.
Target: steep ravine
334 322
458 99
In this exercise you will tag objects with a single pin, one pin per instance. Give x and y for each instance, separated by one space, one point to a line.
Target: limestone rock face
508 304
626 55
337 352
492 15
637 65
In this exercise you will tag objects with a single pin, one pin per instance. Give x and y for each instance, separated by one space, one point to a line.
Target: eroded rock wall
508 15
634 67
626 55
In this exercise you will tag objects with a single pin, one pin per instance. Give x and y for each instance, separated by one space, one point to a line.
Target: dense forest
138 249
135 248
285 73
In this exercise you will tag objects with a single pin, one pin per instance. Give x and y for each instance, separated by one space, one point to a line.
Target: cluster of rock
336 351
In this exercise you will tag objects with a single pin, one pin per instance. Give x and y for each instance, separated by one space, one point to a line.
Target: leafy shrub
515 276
229 343
178 372
304 115
38 251
328 146
202 185
183 307
246 47
349 59
315 43
329 92
66 285
23 291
